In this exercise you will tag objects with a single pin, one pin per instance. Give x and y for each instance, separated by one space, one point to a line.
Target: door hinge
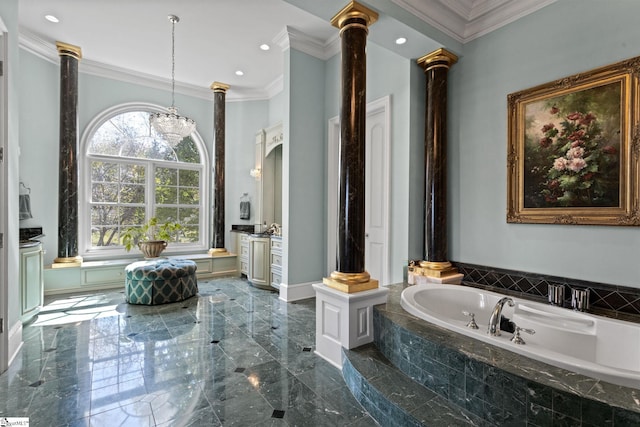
1 240
1 154
1 325
1 68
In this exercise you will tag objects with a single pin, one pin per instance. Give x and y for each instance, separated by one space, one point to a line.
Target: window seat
109 274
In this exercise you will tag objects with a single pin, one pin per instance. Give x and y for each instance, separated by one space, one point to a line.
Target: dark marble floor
233 356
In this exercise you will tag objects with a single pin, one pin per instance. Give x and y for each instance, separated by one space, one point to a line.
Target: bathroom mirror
269 183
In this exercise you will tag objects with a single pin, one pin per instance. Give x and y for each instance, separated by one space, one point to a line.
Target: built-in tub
599 347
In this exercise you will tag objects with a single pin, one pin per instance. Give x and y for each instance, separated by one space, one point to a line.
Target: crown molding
466 20
289 37
47 51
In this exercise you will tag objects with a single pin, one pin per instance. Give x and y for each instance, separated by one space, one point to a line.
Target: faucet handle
517 339
472 323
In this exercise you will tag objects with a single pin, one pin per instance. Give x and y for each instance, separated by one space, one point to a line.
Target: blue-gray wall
303 171
567 37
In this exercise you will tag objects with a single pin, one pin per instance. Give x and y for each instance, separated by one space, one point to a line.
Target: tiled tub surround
233 355
572 340
620 302
497 385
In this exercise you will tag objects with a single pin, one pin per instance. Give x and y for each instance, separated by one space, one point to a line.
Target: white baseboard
296 292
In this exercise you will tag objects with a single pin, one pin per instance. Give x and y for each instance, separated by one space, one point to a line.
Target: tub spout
494 321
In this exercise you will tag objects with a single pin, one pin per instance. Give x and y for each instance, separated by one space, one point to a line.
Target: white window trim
84 190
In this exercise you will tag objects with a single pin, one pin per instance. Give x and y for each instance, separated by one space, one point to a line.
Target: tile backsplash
620 302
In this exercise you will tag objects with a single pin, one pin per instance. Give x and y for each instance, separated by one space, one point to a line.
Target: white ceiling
131 39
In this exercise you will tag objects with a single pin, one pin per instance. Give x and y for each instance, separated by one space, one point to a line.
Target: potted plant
151 238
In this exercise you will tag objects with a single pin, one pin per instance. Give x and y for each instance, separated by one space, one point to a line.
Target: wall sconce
256 173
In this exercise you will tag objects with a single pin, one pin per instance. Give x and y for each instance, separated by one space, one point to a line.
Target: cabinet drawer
244 238
276 259
244 267
276 244
244 250
276 279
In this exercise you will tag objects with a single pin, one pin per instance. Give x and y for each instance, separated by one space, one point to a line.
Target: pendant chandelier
170 125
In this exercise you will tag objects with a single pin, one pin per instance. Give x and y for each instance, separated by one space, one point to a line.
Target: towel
25 206
245 210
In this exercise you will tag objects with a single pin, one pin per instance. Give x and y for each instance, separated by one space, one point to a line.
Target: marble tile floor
233 355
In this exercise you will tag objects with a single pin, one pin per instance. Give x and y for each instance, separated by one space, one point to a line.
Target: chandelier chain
173 62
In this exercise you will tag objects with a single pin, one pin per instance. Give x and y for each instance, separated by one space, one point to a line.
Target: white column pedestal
344 320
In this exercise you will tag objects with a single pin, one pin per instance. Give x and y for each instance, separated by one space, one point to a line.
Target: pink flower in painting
610 149
576 165
587 119
554 110
548 127
577 143
560 164
576 135
575 153
574 116
545 142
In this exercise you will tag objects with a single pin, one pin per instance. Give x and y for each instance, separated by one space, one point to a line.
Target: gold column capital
66 49
440 57
219 87
354 10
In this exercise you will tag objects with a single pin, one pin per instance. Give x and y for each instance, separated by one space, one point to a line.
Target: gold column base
218 252
435 269
350 282
64 262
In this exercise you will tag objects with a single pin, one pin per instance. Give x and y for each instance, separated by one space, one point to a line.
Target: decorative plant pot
152 248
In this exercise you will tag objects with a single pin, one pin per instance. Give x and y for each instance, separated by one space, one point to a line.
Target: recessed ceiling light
401 40
239 73
51 18
265 46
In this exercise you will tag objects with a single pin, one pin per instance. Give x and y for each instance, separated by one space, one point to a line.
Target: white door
376 191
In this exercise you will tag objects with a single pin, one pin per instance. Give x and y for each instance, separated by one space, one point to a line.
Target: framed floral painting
574 149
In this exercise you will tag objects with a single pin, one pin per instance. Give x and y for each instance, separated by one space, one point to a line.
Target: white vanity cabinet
259 265
276 261
242 243
31 281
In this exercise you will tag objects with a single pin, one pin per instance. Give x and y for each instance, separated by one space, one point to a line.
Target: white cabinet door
259 262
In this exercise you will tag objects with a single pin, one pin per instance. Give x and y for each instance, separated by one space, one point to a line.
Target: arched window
130 173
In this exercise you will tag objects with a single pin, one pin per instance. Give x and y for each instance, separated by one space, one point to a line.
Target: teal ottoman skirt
160 281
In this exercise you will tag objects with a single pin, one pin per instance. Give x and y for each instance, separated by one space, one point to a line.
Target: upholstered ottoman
160 281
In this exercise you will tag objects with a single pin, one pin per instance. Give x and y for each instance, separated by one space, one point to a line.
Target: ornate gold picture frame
574 149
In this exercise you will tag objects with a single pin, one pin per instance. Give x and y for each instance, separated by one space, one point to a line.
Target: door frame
333 153
4 138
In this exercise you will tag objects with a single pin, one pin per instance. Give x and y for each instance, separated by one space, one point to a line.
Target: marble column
219 94
68 164
353 21
436 264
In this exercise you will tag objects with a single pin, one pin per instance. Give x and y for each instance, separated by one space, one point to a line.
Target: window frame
84 188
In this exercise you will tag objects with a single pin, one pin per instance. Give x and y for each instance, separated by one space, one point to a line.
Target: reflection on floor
234 355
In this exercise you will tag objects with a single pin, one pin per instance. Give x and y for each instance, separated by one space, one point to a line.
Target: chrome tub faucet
494 320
